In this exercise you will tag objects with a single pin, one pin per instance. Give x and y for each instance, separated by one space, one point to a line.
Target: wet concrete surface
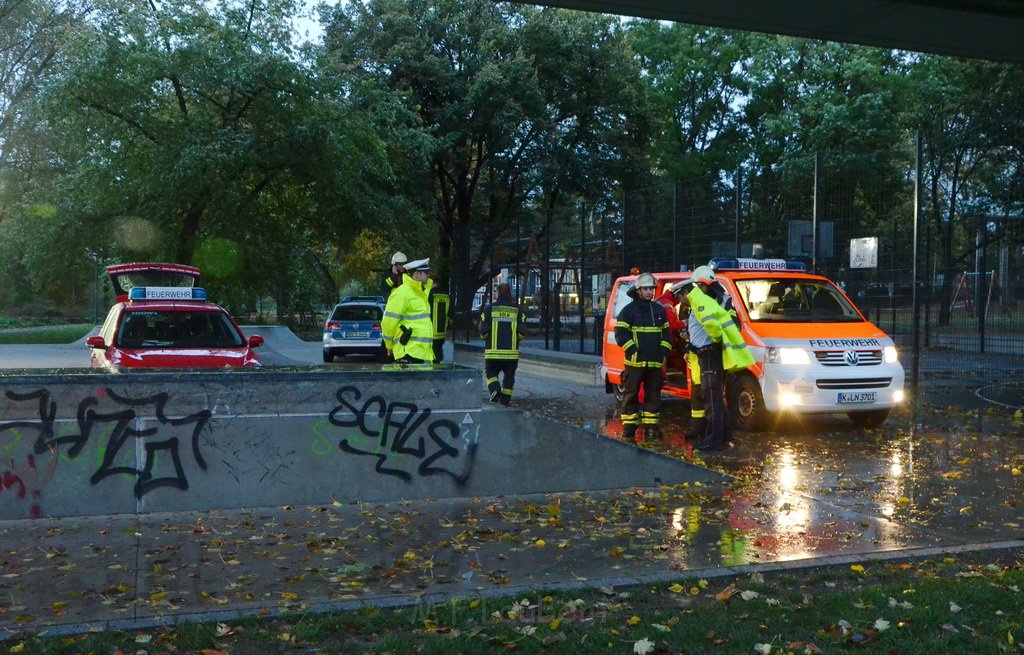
944 474
950 465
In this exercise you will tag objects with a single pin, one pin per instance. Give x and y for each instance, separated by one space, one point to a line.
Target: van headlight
890 355
796 356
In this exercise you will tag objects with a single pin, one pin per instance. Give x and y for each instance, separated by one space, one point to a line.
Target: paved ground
941 476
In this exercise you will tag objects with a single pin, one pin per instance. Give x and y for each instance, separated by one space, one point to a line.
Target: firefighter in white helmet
394 277
641 329
716 339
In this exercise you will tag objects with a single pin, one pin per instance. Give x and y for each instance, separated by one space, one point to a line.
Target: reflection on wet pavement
813 486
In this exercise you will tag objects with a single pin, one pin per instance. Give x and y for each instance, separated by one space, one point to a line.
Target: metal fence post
916 329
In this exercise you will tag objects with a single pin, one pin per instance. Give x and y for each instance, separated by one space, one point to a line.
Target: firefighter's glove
406 335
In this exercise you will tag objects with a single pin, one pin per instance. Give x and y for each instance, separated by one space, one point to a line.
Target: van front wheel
746 404
620 391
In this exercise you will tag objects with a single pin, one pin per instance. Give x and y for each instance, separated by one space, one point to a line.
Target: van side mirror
95 342
255 341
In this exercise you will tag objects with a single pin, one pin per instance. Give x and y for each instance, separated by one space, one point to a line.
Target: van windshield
795 300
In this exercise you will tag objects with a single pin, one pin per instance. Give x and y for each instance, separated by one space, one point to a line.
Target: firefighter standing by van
716 339
642 331
501 327
698 422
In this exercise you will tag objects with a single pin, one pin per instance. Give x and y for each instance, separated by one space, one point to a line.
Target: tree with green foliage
966 110
33 34
519 105
177 123
846 104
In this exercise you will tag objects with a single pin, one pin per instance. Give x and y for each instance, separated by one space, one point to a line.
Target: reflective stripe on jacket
440 306
641 329
408 308
722 327
390 282
501 328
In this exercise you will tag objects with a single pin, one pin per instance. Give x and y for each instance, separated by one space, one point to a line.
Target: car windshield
795 300
177 329
357 313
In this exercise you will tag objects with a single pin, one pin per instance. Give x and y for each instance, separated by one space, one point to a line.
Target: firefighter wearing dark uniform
440 306
501 328
393 279
642 331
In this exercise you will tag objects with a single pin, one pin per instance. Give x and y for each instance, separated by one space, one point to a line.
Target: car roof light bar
167 293
376 299
748 264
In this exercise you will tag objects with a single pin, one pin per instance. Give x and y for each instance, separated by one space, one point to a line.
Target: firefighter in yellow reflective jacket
716 339
641 329
407 329
501 328
698 430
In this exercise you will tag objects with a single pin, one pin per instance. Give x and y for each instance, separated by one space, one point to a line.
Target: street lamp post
95 257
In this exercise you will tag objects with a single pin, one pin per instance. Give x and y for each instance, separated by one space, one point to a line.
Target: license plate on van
850 398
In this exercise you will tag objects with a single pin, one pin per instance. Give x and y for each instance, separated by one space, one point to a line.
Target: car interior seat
825 303
134 331
767 307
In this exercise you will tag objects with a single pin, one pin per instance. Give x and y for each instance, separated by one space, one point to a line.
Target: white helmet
398 258
703 274
645 280
681 287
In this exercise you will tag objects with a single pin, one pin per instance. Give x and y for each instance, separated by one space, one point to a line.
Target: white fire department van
814 351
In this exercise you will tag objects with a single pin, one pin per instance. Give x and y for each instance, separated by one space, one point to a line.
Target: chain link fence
857 230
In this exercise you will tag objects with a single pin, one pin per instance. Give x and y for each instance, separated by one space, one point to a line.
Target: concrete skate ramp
93 443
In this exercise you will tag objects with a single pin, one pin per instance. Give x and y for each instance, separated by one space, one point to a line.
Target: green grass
969 604
53 334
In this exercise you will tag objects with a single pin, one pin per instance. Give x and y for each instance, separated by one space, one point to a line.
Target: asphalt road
940 477
949 465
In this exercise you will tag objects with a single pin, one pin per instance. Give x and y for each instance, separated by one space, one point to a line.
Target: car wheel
328 356
746 403
620 391
871 419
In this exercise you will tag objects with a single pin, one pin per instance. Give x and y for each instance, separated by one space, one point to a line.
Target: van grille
839 358
855 383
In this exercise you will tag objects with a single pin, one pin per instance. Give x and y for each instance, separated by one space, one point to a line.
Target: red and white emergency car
814 351
161 319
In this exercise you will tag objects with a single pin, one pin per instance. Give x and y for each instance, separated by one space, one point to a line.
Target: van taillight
332 325
376 326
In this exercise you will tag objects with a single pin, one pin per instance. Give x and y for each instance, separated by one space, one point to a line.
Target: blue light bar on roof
167 293
377 299
747 264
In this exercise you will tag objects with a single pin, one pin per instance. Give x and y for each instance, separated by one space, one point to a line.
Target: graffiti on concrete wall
120 420
137 438
393 430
